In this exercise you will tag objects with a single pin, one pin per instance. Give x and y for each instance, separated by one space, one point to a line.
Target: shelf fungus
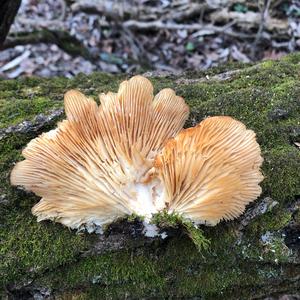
130 155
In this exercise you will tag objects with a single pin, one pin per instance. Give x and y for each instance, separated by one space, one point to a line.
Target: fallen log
253 257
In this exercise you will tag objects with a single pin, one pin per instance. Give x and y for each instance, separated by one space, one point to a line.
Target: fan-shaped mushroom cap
92 168
124 157
210 172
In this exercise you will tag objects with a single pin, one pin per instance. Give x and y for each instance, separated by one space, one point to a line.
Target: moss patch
28 247
165 220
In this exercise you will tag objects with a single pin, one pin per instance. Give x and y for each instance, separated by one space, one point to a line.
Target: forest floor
64 37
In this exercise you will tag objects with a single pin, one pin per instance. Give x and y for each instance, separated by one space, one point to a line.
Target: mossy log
252 257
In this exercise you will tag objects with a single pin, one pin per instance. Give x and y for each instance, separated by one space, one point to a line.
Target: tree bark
8 11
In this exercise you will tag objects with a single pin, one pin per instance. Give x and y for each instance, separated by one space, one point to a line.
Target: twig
264 16
133 24
15 62
63 10
42 23
250 19
283 45
136 47
186 12
202 30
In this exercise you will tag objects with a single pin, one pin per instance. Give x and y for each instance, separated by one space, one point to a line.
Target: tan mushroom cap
212 171
129 155
88 169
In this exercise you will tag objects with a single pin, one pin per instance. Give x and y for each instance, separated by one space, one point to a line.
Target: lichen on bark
254 256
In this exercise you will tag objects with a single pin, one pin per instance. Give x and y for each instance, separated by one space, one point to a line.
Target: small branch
202 30
264 17
37 23
133 24
63 10
251 19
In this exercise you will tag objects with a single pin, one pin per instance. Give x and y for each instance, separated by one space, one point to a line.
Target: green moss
147 273
15 111
177 270
274 250
272 221
268 64
293 58
25 98
282 178
126 270
28 247
165 220
296 216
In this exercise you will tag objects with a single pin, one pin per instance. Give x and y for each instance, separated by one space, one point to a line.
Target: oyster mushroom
212 171
130 155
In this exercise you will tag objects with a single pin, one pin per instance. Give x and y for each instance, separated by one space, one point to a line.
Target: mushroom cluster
130 155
